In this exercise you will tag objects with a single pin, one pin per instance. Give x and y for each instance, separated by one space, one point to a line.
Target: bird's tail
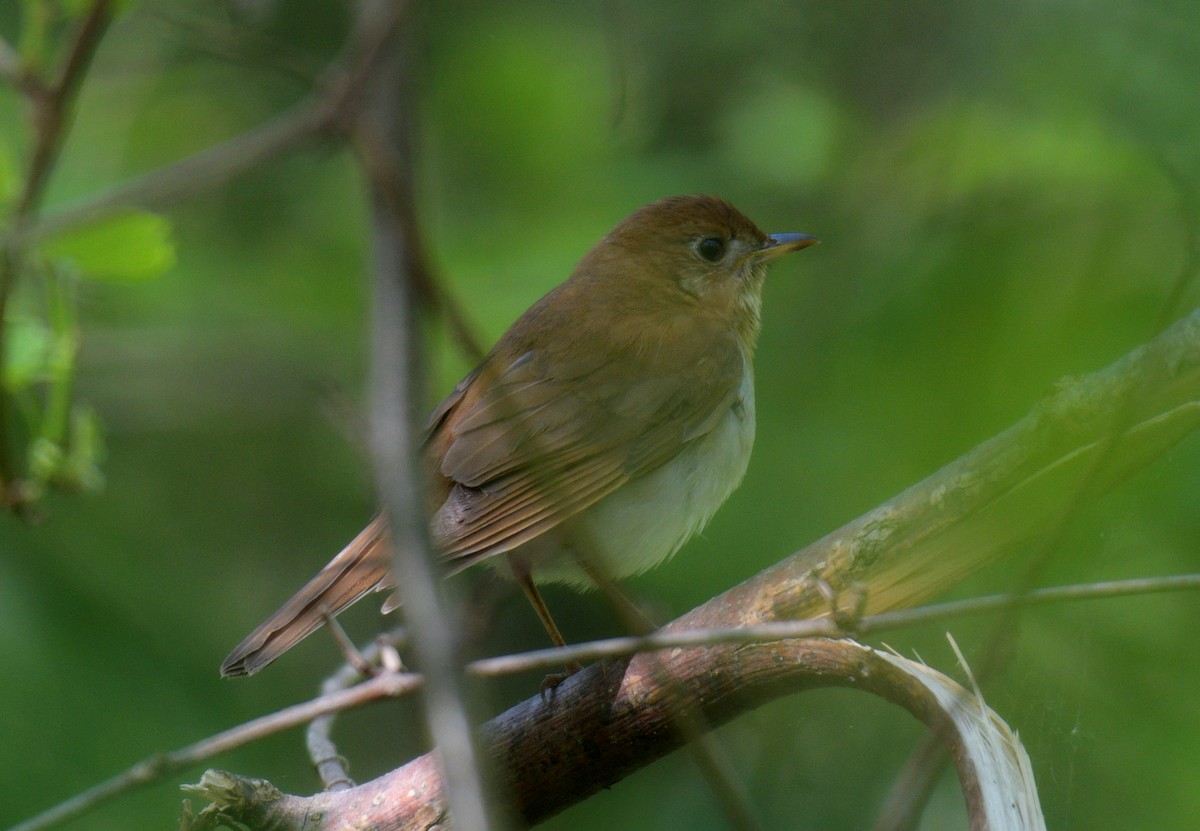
362 566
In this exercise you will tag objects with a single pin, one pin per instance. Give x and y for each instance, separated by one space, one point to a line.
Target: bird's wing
545 439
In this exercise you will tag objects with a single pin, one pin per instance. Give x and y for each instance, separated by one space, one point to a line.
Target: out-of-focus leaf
75 465
45 459
989 146
85 453
134 246
536 115
28 352
783 135
961 150
8 178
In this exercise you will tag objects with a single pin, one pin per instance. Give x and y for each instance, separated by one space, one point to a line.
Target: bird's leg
524 578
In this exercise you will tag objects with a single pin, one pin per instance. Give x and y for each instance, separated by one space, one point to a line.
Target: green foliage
28 352
1006 195
8 175
133 247
781 135
63 443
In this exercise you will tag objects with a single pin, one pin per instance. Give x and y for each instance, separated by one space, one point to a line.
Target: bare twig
622 717
52 109
435 293
330 110
826 627
155 768
203 171
330 765
384 153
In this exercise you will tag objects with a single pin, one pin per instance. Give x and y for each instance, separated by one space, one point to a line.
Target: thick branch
601 725
617 716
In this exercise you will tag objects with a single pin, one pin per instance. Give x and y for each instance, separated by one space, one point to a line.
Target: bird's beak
779 244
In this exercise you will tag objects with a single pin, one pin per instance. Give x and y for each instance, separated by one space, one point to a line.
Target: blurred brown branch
330 110
382 140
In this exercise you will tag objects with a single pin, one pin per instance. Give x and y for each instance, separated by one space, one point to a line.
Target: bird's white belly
650 518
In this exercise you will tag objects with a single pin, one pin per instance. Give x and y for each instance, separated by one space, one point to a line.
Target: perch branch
336 698
608 720
627 718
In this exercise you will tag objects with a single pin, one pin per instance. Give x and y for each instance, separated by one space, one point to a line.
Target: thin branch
435 293
383 145
51 110
155 768
823 627
329 110
329 764
203 171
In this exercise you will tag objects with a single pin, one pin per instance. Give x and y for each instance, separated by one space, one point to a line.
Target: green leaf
132 247
75 466
45 459
86 452
28 353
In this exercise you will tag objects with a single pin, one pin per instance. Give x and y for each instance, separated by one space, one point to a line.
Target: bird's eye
711 249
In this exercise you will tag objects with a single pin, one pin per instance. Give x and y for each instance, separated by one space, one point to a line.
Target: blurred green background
1007 193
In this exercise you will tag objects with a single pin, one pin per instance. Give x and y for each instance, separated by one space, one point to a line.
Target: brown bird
601 432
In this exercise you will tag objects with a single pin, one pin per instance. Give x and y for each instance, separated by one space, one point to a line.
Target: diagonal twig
159 766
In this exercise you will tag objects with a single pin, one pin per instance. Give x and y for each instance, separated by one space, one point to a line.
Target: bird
601 432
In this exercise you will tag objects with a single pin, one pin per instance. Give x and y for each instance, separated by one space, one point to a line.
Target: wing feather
546 438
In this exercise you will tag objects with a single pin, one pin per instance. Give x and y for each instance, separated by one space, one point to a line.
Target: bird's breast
648 519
